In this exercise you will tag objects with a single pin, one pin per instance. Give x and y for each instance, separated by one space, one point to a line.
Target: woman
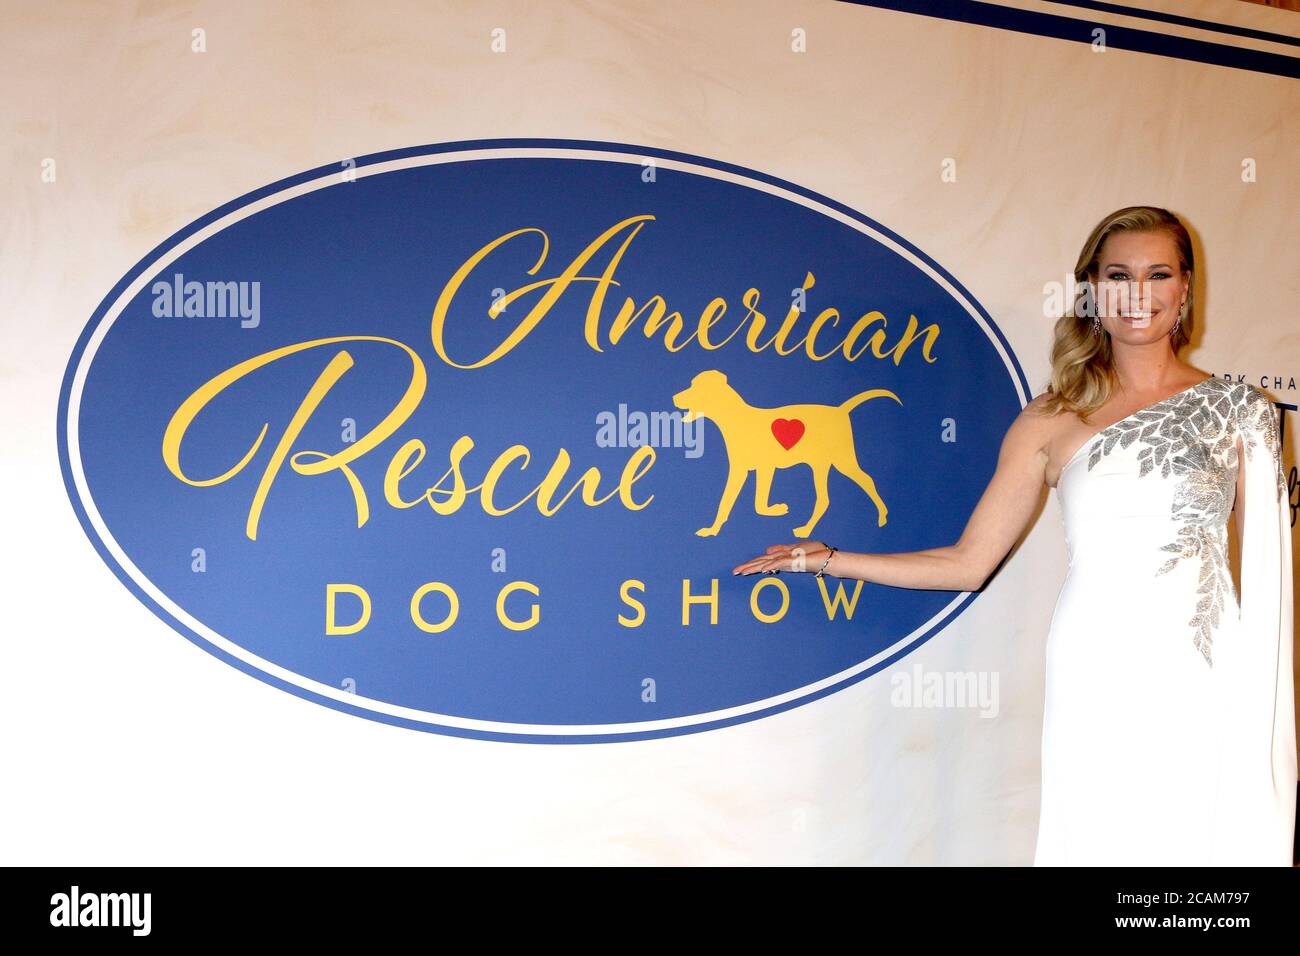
1169 722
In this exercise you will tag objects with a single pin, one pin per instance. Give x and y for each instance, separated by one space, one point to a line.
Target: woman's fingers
776 558
764 562
774 553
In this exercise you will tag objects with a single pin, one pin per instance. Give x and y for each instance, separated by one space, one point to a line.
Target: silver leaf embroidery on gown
1193 436
1169 711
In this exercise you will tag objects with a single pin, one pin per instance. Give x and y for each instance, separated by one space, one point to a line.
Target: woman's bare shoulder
1042 430
1034 429
1036 411
1037 404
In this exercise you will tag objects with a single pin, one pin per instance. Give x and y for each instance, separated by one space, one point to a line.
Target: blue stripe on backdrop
1163 17
1080 31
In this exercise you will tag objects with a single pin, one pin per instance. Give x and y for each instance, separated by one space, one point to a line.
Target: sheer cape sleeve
1256 798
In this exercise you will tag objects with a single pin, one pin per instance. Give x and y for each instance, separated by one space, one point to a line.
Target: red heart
788 431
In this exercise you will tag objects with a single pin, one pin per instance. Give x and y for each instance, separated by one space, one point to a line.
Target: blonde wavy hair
1083 371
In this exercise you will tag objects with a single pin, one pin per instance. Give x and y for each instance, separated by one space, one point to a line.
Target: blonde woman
1169 722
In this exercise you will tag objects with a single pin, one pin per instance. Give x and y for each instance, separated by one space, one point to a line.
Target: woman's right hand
781 553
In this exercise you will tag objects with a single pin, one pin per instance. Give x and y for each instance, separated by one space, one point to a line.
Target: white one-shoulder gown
1169 722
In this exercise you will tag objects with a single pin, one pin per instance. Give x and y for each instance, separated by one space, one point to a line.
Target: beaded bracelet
826 562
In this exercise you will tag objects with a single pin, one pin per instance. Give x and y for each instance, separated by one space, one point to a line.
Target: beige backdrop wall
124 744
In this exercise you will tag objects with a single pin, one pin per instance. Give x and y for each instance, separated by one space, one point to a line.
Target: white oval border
450 720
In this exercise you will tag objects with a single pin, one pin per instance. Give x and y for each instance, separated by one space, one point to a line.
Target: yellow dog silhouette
762 440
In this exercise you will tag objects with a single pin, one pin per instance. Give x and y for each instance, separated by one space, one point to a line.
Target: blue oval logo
467 438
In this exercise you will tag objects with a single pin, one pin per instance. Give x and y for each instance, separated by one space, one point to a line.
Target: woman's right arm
998 521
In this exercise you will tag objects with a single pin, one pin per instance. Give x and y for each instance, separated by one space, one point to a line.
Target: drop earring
1090 305
1182 310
